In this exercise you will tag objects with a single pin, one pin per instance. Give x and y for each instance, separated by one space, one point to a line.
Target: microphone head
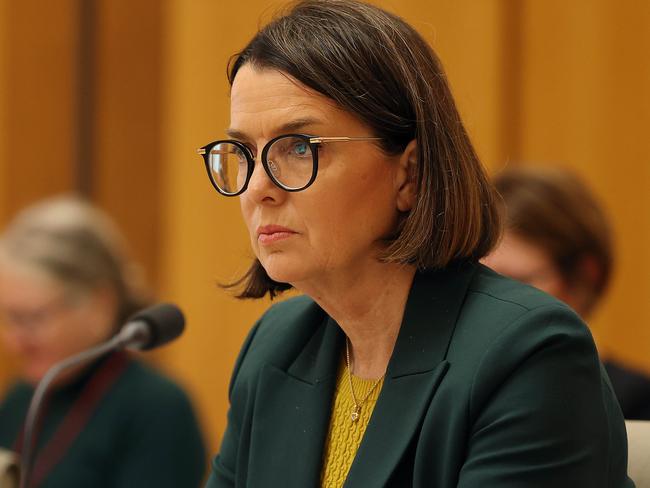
165 322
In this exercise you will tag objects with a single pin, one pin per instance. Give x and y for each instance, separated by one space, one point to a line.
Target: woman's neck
368 304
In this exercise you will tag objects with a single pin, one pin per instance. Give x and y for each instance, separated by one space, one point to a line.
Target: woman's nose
261 188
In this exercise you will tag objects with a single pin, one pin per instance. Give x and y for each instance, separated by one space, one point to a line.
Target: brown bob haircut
377 67
553 209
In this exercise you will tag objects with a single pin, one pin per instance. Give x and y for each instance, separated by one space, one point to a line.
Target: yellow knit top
344 435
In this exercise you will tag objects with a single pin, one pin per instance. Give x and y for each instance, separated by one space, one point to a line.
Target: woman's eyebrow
298 124
289 127
237 134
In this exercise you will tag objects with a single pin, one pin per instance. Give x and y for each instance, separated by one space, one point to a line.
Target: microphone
152 327
147 329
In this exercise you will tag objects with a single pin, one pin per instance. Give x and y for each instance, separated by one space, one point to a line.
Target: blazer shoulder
524 366
500 314
503 292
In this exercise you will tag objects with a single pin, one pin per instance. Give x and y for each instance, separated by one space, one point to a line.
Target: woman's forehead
26 283
266 100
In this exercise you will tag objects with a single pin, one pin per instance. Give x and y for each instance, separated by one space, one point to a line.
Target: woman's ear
406 177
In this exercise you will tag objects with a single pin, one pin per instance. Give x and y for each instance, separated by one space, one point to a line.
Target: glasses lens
291 162
228 167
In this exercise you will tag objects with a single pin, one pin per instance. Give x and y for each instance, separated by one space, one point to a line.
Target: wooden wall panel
4 38
6 368
125 147
38 80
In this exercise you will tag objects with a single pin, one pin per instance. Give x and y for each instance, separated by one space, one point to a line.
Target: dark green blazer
491 384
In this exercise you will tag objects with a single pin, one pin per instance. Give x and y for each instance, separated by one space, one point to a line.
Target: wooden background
111 98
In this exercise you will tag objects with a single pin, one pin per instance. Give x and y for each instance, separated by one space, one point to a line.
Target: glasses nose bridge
261 157
263 160
260 160
261 154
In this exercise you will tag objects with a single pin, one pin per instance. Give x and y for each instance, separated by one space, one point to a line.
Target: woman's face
336 226
524 261
41 325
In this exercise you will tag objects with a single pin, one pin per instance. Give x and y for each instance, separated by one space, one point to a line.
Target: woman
65 286
405 363
558 239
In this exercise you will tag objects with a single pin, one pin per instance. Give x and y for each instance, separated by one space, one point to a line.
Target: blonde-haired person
406 363
559 240
67 284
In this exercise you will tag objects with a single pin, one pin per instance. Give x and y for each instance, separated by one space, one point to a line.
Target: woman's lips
270 234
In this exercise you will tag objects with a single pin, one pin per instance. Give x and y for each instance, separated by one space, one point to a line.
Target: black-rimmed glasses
290 160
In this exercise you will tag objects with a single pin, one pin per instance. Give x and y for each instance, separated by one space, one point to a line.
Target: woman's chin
280 276
283 272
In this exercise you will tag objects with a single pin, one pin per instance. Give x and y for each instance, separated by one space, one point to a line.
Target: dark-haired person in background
558 239
66 285
406 363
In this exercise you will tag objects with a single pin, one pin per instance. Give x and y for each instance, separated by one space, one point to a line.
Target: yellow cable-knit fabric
345 436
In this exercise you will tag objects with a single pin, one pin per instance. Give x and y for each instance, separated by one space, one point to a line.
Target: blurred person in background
66 285
557 238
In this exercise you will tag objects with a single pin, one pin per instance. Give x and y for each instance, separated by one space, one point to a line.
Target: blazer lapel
414 372
291 414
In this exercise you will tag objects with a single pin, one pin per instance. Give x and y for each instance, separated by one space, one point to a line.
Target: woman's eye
301 149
